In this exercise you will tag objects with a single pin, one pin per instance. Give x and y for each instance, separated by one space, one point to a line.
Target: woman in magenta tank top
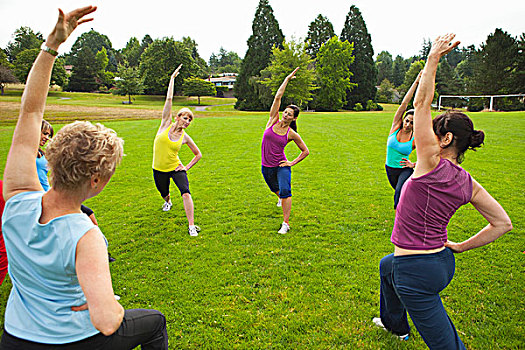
423 264
276 169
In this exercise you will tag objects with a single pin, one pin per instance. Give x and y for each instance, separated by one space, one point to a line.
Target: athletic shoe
377 322
166 206
194 230
279 203
117 297
284 228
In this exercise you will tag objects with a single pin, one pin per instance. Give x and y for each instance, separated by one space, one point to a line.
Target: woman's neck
58 203
450 154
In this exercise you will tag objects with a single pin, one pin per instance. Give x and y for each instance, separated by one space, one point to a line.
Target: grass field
241 285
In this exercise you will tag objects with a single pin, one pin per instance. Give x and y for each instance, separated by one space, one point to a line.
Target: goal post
491 97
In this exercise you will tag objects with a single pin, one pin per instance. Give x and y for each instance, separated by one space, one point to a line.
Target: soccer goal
466 97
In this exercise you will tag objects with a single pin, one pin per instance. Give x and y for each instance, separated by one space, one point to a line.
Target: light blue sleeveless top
41 169
42 269
396 151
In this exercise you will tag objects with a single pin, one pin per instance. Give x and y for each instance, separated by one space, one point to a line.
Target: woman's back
42 269
426 205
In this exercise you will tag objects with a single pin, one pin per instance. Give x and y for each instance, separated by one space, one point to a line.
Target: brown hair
461 126
295 109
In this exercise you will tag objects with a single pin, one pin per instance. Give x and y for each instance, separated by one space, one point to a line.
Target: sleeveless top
42 169
273 146
166 152
426 205
396 150
42 269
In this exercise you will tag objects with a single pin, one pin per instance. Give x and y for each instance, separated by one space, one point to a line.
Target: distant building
68 68
224 84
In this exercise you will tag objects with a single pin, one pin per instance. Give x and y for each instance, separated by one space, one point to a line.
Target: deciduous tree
333 74
24 39
198 87
129 82
284 61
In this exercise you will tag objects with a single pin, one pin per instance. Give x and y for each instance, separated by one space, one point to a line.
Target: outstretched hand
443 45
67 23
292 74
176 72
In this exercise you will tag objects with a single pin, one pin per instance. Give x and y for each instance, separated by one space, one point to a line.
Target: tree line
336 71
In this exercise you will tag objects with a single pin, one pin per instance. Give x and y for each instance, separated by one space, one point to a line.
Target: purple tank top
426 205
273 147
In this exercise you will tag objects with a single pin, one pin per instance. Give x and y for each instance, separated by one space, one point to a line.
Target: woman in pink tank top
276 169
423 264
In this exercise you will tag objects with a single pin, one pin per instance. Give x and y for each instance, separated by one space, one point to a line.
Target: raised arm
20 171
274 111
166 112
499 221
398 117
427 146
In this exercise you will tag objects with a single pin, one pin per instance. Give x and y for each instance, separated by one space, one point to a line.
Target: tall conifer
363 68
319 31
265 35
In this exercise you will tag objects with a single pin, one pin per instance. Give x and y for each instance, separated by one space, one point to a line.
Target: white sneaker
194 230
284 228
279 203
377 322
166 206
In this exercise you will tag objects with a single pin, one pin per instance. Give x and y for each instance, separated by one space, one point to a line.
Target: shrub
358 107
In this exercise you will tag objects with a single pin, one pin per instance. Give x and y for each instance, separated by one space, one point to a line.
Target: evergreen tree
399 68
146 41
265 35
447 80
333 74
363 68
225 62
24 39
84 75
299 90
519 76
425 49
319 31
496 64
384 66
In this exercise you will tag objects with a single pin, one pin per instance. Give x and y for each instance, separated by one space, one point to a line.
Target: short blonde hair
185 110
80 150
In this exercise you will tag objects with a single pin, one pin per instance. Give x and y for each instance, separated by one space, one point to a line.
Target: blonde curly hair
184 111
80 150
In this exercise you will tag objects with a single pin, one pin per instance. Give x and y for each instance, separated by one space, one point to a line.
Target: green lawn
241 285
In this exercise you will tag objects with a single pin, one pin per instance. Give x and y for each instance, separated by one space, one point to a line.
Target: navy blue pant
146 328
397 178
278 179
412 283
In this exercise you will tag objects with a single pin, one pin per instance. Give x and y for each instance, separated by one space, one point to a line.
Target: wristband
49 50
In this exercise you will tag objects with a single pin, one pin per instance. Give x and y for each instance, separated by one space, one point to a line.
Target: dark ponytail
461 126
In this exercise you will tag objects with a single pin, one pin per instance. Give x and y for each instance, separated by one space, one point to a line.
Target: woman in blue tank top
62 295
400 144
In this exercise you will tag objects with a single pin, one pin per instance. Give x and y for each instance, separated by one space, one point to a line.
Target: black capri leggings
162 181
146 328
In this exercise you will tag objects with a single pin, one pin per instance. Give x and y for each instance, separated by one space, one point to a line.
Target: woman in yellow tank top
166 163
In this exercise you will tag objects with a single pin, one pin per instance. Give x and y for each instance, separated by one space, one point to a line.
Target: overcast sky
398 27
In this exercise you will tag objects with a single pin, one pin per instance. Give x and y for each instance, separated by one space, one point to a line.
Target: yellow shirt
166 152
